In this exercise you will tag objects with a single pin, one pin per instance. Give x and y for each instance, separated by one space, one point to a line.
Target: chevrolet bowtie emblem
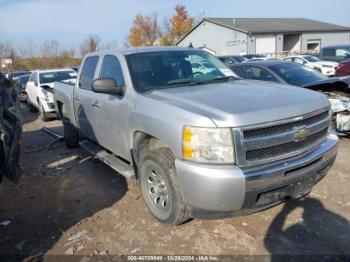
301 134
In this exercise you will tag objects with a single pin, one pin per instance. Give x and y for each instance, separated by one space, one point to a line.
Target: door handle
96 104
77 98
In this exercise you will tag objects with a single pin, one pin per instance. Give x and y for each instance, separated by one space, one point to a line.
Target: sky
70 21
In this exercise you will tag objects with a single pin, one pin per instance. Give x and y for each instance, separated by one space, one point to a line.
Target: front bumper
214 191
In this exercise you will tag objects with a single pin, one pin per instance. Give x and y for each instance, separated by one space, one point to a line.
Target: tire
71 135
43 115
318 70
157 172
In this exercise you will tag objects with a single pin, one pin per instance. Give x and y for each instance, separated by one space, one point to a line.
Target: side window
88 72
341 52
111 68
289 59
299 60
257 73
328 52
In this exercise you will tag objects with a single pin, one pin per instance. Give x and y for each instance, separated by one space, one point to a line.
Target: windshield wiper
219 79
182 82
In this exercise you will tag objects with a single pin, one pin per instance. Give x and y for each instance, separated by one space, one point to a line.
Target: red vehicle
343 68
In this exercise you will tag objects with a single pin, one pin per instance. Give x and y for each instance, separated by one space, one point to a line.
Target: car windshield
165 69
50 77
311 58
239 59
296 74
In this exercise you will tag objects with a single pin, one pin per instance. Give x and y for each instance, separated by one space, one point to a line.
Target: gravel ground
68 203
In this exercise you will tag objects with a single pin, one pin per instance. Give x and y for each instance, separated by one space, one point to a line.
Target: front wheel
160 187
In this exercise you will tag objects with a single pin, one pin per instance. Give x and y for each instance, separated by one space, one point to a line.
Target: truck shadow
318 232
58 189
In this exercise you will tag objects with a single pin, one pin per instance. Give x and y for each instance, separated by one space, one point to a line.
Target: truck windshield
295 74
50 77
164 69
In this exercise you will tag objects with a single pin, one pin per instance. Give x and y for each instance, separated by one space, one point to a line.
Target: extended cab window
111 68
88 72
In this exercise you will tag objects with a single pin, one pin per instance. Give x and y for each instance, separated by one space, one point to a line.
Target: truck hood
243 102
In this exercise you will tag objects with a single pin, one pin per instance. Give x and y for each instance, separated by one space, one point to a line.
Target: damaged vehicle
200 145
10 132
336 88
39 90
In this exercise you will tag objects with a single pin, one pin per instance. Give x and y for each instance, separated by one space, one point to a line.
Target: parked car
12 76
343 68
20 86
39 90
335 53
10 132
337 89
327 68
204 146
232 59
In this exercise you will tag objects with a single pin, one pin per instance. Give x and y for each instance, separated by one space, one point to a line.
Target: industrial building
237 36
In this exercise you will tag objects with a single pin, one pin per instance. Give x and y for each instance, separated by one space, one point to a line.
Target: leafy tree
179 25
144 32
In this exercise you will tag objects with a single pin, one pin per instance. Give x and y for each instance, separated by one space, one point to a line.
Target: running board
114 162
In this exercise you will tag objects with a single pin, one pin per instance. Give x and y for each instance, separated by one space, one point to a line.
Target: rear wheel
160 187
71 135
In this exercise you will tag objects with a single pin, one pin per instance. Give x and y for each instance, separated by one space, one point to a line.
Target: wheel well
143 142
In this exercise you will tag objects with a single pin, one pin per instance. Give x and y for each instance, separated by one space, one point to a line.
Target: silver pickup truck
201 142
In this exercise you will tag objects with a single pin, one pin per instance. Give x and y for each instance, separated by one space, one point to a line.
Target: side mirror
106 86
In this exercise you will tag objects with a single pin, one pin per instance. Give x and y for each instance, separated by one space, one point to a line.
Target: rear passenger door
112 111
83 98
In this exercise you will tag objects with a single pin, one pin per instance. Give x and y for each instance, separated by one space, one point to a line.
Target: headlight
208 145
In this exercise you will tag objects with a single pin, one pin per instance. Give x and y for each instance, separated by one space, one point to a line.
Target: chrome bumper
223 188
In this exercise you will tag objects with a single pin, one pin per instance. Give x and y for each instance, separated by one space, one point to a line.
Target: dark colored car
343 68
20 86
253 56
10 132
12 76
336 88
230 60
335 53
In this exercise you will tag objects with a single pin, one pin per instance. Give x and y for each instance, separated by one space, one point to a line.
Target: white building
235 36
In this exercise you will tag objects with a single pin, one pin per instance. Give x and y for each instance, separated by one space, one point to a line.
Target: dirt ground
68 203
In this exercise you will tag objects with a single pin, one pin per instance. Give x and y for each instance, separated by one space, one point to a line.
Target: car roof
336 46
263 63
52 70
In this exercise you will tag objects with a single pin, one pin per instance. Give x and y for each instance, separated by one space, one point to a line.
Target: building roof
275 25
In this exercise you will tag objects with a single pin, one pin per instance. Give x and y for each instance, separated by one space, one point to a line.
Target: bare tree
27 49
91 44
49 48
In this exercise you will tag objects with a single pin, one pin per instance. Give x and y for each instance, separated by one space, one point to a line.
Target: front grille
267 143
272 130
286 148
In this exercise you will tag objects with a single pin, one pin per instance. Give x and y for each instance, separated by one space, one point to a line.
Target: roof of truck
134 50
